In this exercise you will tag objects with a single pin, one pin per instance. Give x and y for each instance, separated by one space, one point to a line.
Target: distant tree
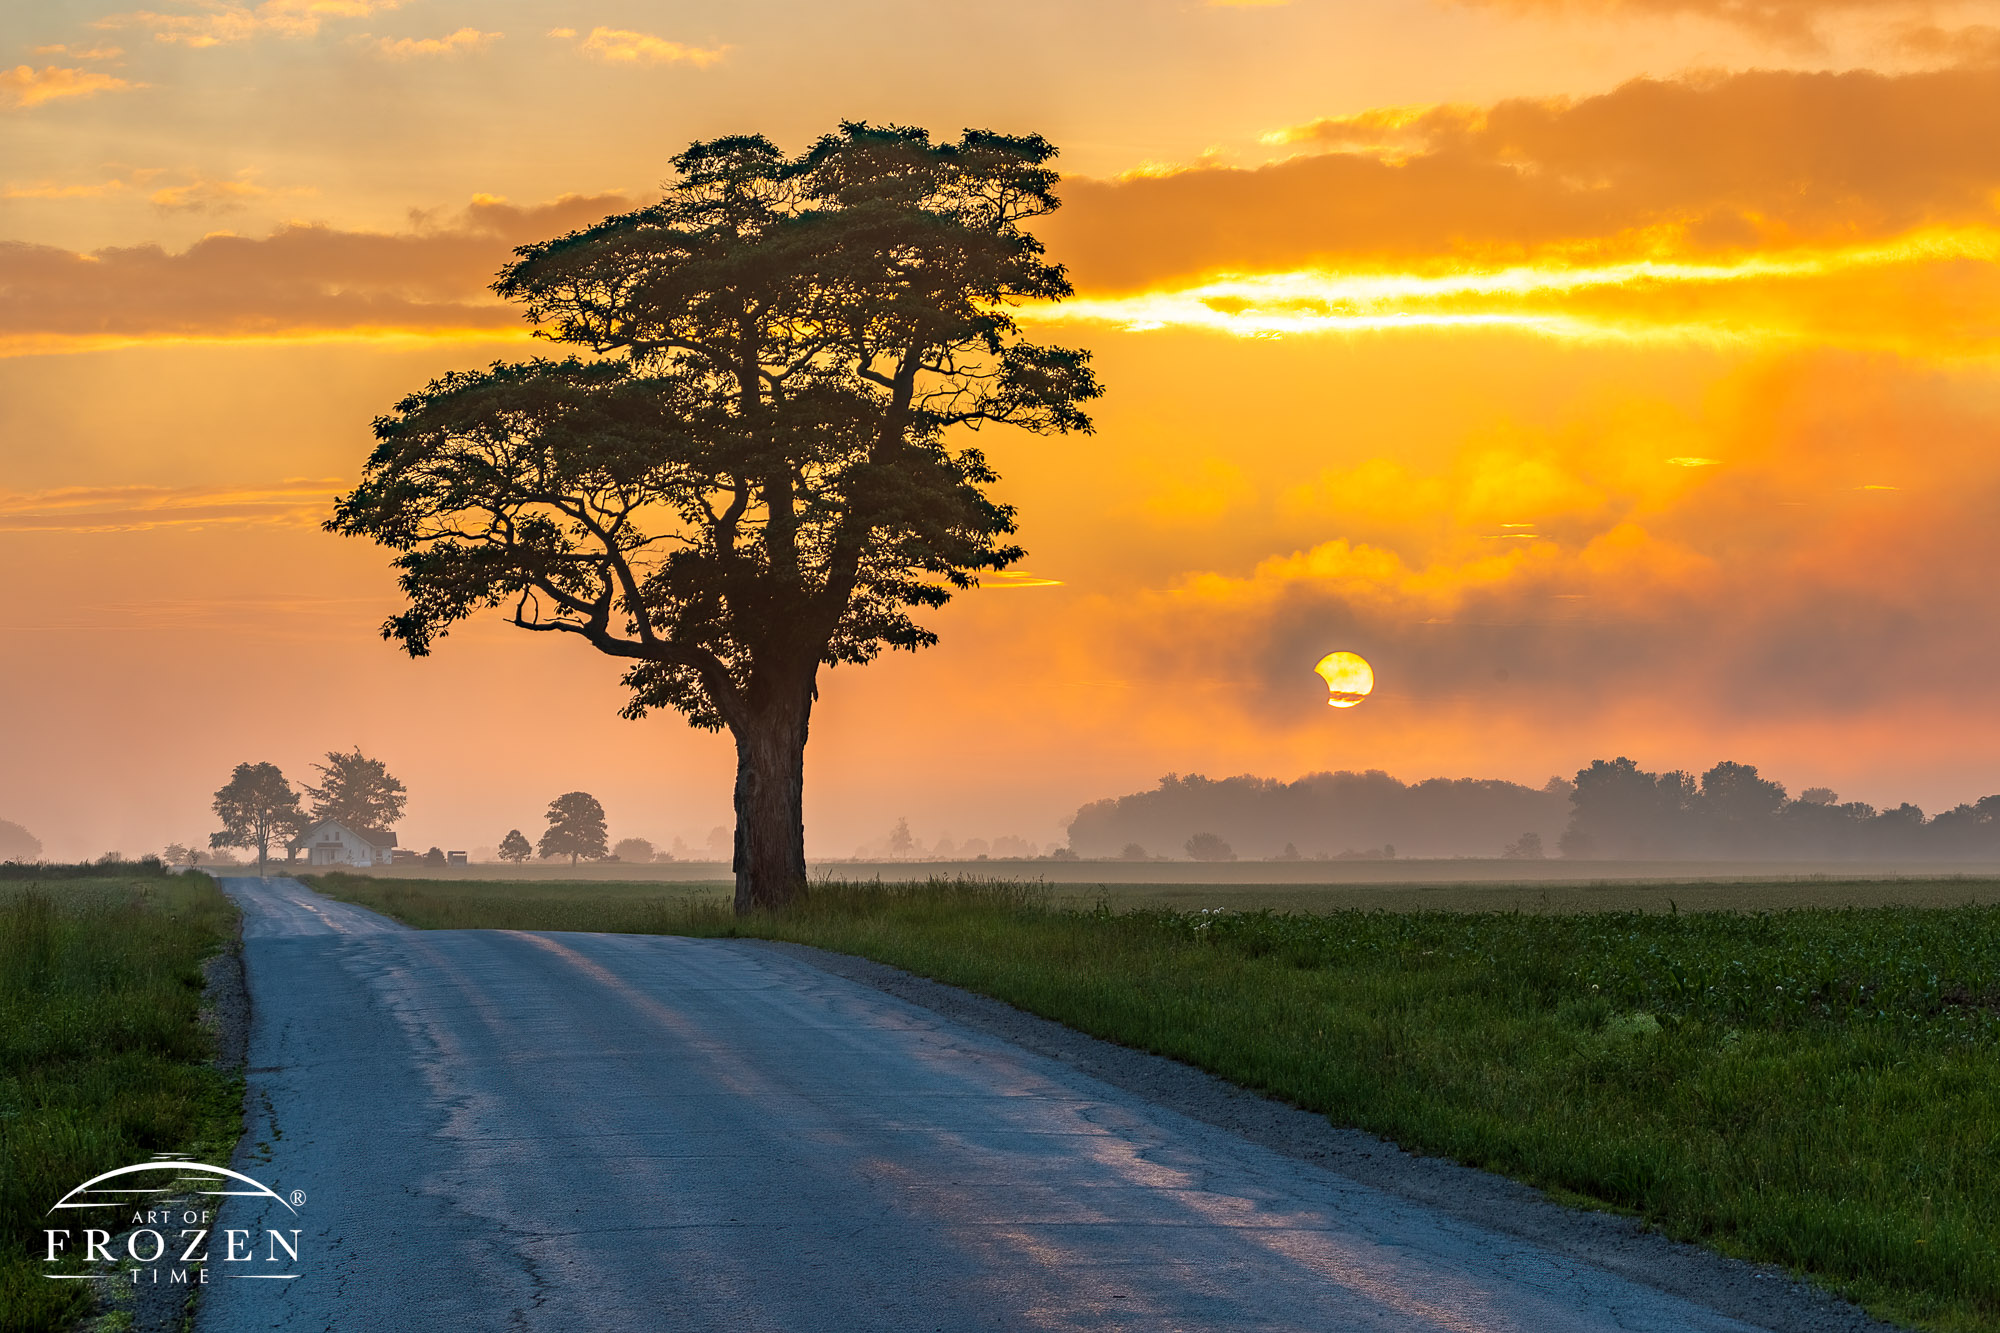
1291 853
1741 801
17 844
576 828
1209 847
1133 852
257 806
750 477
1528 847
1819 796
515 847
178 854
357 791
632 849
901 843
1622 810
1063 854
434 857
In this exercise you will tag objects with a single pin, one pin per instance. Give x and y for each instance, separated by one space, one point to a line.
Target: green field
1817 1087
103 1060
469 898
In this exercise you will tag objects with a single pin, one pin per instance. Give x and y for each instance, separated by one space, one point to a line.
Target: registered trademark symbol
298 1197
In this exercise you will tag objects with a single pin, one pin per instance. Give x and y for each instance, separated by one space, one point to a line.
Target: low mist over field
1612 810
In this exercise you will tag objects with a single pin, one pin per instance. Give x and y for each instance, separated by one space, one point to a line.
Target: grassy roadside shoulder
103 1058
1815 1088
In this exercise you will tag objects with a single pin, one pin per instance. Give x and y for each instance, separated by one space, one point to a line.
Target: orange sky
1619 377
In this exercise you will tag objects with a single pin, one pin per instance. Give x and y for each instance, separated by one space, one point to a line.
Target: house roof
375 837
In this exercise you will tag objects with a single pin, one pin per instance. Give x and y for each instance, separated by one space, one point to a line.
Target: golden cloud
217 23
1924 295
1795 22
202 195
302 280
622 46
25 86
296 502
1832 540
1703 168
88 53
413 48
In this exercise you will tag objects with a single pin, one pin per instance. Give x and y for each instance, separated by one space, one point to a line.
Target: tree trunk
770 861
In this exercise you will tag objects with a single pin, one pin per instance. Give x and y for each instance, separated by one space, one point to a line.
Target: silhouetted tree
515 847
180 854
1321 813
357 791
632 849
1134 852
751 475
256 806
1740 806
16 843
1620 810
1209 847
901 842
434 857
1528 847
576 828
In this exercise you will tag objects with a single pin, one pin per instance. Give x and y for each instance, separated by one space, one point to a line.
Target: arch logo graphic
156 1220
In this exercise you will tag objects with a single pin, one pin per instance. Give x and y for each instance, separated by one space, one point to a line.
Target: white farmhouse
332 843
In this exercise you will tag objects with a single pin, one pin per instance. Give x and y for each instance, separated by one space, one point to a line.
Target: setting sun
1349 678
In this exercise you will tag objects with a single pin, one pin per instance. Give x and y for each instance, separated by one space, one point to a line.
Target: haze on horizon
1617 379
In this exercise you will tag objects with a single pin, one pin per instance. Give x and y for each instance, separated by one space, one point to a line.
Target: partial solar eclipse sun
1348 678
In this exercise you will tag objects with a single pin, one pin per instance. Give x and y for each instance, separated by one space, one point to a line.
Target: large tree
576 828
756 471
515 847
257 806
357 791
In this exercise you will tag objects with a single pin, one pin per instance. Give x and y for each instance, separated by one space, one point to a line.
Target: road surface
502 1130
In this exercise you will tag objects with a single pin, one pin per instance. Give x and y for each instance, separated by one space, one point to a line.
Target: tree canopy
758 467
256 807
633 849
357 791
16 843
576 828
515 847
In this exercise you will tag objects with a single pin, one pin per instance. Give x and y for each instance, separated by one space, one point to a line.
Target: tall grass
1815 1088
103 1060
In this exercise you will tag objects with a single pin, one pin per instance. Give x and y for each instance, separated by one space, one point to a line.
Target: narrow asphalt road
498 1130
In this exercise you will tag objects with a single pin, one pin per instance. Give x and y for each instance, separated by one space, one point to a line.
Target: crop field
103 1059
1816 1087
467 897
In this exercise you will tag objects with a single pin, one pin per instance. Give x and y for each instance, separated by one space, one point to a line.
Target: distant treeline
1320 815
1614 810
1620 810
